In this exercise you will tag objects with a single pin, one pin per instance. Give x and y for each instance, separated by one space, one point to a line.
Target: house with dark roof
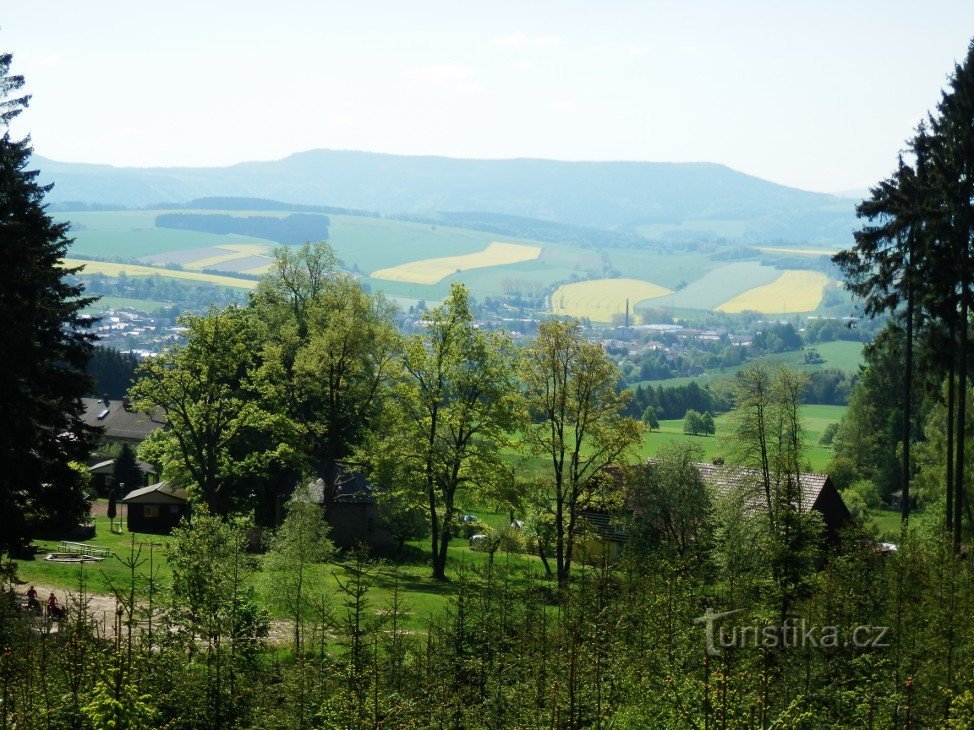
156 508
603 535
118 421
354 513
817 491
103 474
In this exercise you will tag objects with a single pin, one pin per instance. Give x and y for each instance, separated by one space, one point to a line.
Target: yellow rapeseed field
599 299
431 271
793 291
112 269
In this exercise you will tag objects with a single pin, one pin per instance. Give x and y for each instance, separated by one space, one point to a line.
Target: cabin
818 493
103 473
354 516
118 421
156 508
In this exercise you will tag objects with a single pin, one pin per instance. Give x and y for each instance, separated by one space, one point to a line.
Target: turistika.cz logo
793 634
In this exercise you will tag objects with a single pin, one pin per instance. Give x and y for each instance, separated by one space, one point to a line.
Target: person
32 603
53 609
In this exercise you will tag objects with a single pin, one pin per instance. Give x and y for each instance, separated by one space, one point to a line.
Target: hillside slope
659 200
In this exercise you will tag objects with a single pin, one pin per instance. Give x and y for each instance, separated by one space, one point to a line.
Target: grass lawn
101 575
887 522
423 595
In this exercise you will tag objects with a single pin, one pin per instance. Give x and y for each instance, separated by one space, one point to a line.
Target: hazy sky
819 95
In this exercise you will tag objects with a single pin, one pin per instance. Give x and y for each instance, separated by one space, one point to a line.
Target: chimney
105 399
126 403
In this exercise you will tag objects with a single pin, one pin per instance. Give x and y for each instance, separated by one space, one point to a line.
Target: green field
815 419
845 355
142 305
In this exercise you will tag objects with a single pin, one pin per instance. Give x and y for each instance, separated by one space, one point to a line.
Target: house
354 514
103 472
604 536
817 491
119 422
155 509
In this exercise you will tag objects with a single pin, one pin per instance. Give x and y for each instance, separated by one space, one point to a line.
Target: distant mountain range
659 201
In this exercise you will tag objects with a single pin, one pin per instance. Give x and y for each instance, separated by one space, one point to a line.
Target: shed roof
163 492
108 466
725 478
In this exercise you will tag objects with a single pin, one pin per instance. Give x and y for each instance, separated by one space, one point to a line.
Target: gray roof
163 492
119 423
107 467
727 478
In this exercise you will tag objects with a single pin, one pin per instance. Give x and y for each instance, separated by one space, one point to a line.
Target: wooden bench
80 548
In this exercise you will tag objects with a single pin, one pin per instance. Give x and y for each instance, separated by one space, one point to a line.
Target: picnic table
80 548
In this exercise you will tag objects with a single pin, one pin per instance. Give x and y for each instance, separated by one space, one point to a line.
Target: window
150 510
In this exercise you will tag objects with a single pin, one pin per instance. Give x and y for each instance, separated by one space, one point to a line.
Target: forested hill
660 201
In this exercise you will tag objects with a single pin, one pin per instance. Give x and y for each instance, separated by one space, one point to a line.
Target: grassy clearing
432 271
600 299
841 355
888 523
112 269
796 290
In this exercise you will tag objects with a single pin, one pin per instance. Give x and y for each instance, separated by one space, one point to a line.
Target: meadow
815 419
845 355
600 299
432 271
142 305
796 290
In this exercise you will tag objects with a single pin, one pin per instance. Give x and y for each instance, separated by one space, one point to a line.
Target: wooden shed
155 509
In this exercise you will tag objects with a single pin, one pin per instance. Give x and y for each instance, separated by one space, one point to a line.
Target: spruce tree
45 351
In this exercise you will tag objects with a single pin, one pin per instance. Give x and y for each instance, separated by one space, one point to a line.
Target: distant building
118 421
354 514
103 473
155 509
818 493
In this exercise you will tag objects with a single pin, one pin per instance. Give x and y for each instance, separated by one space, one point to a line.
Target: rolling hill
659 201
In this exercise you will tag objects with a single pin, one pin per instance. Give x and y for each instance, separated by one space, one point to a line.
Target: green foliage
47 344
456 403
698 424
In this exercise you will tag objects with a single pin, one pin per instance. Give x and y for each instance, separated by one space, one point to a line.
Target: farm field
793 291
132 234
412 261
600 299
112 269
800 251
717 286
432 271
249 258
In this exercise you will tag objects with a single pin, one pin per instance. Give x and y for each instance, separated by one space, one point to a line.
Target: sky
817 95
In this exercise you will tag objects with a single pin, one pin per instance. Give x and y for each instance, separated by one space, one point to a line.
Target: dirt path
102 609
